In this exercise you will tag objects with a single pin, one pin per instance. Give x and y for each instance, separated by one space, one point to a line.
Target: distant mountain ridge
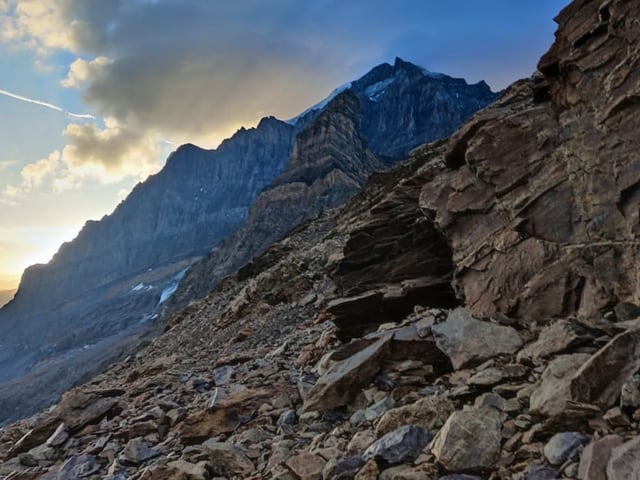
6 296
115 276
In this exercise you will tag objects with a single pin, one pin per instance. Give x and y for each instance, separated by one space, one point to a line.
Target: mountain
6 296
113 282
471 313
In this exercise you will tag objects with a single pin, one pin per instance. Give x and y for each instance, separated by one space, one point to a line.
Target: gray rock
58 437
554 390
223 375
401 445
626 311
468 341
595 456
75 467
564 446
460 476
624 462
288 418
345 468
469 440
555 338
343 381
138 451
630 394
601 378
541 472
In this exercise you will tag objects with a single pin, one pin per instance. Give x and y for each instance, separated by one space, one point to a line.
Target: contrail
46 105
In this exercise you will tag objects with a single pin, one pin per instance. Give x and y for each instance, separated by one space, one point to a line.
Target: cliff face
544 222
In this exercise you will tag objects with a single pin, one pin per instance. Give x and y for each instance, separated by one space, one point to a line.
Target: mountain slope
110 282
6 296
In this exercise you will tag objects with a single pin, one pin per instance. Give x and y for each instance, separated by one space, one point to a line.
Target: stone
555 338
138 451
369 471
541 472
189 470
404 472
223 375
343 381
306 466
360 441
600 379
492 400
58 437
344 468
287 419
79 466
469 440
228 459
77 408
595 456
430 413
630 394
554 390
398 446
460 476
564 446
223 417
616 418
468 341
626 311
624 462
34 436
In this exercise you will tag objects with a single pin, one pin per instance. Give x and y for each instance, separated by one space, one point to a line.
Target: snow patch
375 91
430 74
320 105
171 288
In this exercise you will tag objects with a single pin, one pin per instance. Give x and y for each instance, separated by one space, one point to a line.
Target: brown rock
595 456
429 413
223 417
344 380
469 440
227 459
600 379
306 466
624 462
370 471
468 341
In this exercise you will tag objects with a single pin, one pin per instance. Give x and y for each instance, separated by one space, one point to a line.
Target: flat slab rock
624 462
469 440
399 446
601 378
468 341
344 380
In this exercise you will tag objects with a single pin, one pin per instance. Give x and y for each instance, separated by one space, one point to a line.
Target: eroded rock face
540 202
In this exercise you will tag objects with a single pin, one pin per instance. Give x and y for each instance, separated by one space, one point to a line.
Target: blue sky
147 75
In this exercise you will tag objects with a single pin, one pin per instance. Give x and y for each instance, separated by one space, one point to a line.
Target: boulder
138 451
469 440
564 446
399 446
555 338
344 380
429 413
468 341
306 466
595 456
554 389
227 459
625 461
600 379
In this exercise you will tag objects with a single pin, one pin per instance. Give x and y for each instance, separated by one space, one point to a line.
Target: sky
95 94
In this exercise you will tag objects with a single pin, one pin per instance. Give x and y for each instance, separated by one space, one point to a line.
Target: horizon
84 117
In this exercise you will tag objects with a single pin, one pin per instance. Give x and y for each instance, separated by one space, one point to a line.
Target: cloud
7 164
81 71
